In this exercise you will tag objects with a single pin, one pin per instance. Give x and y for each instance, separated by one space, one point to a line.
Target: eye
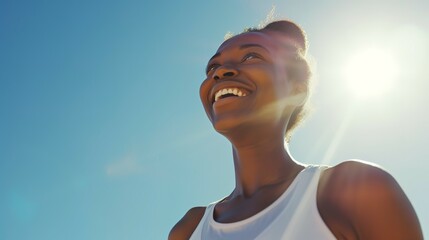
211 68
250 56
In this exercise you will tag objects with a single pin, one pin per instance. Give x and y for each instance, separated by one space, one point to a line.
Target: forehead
265 40
270 40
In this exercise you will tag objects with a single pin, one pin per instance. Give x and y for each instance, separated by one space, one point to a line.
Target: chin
225 125
230 124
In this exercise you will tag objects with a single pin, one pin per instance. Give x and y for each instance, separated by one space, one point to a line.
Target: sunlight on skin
272 108
371 72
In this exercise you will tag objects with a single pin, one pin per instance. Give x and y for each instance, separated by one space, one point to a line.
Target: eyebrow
244 46
215 56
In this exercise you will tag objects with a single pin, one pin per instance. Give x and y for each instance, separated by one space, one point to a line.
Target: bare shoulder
186 226
356 173
362 200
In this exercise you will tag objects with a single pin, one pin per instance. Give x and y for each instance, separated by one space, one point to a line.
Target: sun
371 72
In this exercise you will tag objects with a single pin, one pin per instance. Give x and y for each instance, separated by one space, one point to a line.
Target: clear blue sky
102 134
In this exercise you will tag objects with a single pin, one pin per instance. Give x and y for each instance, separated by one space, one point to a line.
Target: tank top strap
197 234
301 212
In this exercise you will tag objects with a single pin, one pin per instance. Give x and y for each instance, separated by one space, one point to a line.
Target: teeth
224 91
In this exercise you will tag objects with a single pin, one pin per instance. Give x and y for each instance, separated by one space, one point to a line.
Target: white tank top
294 215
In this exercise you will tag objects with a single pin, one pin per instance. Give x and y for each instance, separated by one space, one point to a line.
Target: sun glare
371 72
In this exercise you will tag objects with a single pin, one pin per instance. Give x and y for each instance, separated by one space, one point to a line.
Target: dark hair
298 70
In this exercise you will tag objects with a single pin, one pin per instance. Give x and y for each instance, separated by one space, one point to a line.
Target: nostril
228 74
221 73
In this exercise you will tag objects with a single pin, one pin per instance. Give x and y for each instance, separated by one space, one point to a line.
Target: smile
228 92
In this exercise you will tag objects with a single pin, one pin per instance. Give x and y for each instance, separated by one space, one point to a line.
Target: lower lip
224 101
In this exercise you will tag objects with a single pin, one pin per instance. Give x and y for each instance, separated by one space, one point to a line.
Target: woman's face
247 83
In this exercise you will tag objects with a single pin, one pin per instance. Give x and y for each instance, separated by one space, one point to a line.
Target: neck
261 162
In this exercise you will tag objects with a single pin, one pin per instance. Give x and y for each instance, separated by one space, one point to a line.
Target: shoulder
186 226
353 180
369 200
356 173
358 179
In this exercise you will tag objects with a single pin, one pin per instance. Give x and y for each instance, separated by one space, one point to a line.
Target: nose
223 71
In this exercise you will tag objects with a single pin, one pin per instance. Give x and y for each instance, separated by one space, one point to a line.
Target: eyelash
212 67
255 55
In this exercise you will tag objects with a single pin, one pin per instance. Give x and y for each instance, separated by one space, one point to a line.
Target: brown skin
355 199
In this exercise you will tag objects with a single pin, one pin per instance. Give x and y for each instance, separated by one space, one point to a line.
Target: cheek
204 90
271 80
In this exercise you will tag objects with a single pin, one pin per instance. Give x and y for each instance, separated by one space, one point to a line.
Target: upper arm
370 202
374 203
186 226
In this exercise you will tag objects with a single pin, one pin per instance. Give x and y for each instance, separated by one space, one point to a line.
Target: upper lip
229 84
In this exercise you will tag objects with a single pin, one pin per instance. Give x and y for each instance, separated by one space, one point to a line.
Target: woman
255 94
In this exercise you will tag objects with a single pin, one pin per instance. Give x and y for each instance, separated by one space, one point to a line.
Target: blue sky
102 134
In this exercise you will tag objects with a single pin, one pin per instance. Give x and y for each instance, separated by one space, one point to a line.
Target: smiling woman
255 93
